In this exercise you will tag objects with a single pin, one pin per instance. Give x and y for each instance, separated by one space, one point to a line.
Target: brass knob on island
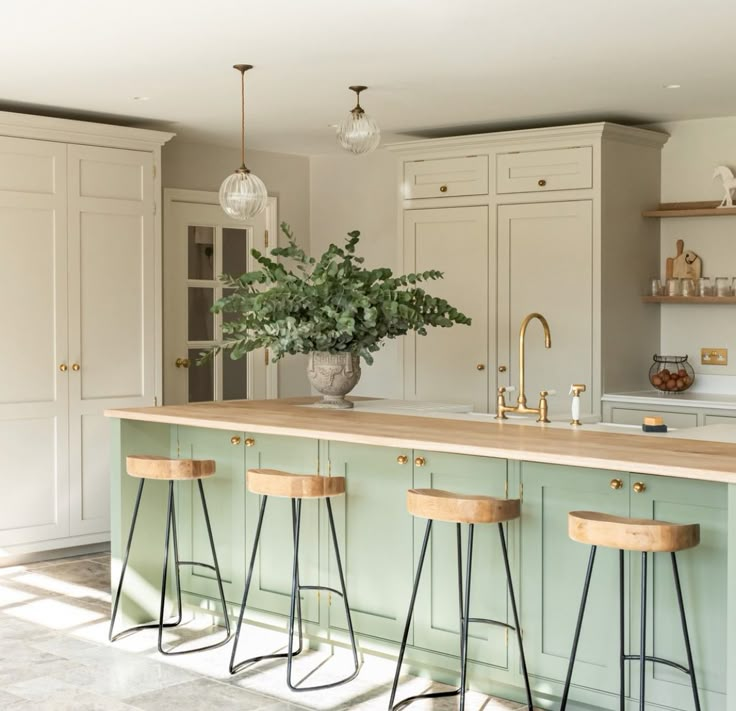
76 367
616 483
402 459
541 182
639 486
443 188
235 440
501 368
63 368
249 441
420 461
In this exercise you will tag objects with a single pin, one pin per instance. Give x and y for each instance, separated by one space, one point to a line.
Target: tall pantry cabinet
544 220
80 283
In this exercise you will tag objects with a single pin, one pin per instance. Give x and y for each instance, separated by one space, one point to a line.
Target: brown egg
656 381
663 386
680 384
688 380
681 373
671 384
664 373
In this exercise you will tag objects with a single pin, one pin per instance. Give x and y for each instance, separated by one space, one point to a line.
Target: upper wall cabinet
80 281
547 221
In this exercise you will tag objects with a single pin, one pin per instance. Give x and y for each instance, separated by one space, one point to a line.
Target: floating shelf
689 299
689 209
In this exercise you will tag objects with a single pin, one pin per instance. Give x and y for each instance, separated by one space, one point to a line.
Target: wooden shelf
689 209
689 299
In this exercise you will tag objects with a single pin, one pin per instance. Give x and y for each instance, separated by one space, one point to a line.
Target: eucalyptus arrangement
332 308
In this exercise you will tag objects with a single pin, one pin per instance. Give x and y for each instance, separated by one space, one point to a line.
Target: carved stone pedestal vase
334 375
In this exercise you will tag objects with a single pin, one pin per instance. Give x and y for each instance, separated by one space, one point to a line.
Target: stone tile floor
54 656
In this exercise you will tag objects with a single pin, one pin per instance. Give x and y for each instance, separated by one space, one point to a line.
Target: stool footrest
431 695
195 563
484 621
657 660
321 587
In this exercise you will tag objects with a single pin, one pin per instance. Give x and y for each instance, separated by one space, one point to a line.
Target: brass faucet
502 408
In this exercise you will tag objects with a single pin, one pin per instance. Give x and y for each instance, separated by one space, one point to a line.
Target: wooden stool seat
272 482
441 505
145 466
631 534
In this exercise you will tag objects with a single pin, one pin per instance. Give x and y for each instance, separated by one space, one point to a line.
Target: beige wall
694 149
360 193
204 167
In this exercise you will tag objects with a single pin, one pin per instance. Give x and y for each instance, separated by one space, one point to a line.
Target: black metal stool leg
125 561
621 633
295 593
466 618
461 596
643 634
515 612
579 625
685 634
407 626
164 574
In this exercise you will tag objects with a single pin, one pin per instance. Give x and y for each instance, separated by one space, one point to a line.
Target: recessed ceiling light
671 86
141 98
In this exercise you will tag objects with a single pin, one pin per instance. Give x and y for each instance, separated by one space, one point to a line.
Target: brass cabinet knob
616 483
480 366
402 459
639 486
235 440
249 441
63 368
76 367
541 182
501 368
443 188
420 461
182 362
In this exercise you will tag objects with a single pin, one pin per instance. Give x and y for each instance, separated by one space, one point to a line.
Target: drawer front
542 171
446 177
720 419
622 416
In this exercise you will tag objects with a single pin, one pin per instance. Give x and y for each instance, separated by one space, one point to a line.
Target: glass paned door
201 244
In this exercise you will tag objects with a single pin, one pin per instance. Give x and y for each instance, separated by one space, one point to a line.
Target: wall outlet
714 356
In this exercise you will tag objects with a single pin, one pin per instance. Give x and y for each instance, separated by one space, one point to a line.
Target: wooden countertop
690 459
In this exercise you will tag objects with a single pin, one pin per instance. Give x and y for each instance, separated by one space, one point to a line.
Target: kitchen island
685 477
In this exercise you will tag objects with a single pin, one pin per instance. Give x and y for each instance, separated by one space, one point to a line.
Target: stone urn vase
334 375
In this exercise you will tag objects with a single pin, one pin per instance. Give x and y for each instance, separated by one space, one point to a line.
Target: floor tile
190 695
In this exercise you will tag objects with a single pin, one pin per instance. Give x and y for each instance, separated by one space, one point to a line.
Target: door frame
172 196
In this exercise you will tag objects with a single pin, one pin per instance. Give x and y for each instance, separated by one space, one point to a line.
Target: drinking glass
655 288
723 287
687 287
704 288
673 287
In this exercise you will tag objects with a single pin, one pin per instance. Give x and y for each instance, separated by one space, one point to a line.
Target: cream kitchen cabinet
79 280
558 231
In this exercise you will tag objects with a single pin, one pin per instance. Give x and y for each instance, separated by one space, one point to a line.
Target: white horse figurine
729 184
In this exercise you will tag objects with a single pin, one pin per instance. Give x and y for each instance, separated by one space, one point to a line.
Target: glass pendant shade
243 195
358 133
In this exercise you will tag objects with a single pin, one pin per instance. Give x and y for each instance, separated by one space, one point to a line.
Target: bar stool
646 536
437 505
146 467
271 482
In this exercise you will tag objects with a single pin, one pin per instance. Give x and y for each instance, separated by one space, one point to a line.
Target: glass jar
671 374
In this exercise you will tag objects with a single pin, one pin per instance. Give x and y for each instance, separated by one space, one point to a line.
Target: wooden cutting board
684 265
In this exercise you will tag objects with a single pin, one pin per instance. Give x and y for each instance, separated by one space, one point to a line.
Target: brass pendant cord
242 68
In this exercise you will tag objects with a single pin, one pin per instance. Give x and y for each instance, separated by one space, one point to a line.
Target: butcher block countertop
676 456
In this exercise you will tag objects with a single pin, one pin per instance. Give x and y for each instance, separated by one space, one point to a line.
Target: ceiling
434 67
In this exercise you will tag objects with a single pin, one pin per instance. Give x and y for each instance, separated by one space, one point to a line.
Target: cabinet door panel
545 264
271 585
225 493
436 625
703 572
553 570
375 534
112 324
455 241
34 465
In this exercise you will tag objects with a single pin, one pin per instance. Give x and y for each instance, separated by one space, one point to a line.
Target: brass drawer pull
616 483
402 459
235 440
63 368
249 441
443 188
420 461
76 367
639 486
480 366
541 182
501 368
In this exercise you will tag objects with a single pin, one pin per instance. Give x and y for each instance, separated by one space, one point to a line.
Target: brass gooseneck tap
521 407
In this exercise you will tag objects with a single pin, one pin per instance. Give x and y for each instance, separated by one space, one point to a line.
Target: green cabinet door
436 617
703 574
375 536
225 494
552 572
271 585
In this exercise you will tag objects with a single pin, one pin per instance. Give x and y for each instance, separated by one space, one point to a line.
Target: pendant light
358 133
243 195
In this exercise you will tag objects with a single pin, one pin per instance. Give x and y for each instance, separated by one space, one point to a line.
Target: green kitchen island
688 476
